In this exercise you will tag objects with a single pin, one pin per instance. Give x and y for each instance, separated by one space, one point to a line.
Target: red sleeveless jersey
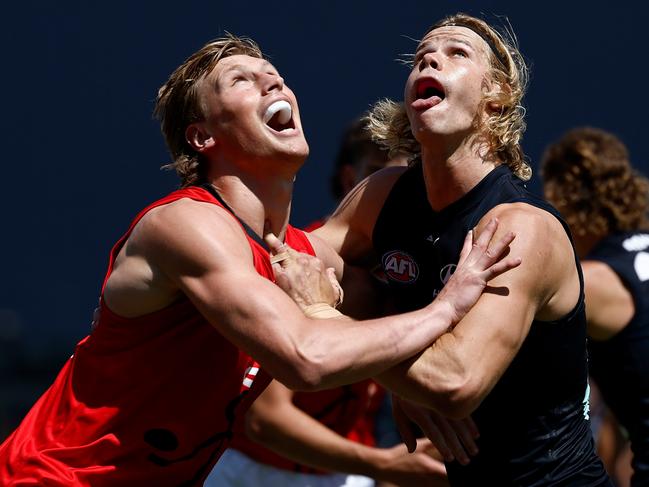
147 401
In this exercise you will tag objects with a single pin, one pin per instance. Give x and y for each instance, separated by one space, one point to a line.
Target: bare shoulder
349 230
537 230
549 269
183 238
535 221
195 230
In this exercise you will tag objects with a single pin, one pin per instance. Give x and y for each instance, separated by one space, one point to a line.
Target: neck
264 203
452 170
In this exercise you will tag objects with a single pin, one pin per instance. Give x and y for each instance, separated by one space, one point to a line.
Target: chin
298 149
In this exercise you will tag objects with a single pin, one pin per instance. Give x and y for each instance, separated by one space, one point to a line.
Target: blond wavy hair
587 176
178 105
503 128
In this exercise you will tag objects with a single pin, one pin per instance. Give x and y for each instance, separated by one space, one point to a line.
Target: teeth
284 109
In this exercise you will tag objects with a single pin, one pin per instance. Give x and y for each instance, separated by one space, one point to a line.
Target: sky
83 153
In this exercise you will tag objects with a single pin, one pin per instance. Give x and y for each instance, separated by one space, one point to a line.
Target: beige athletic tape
279 257
321 310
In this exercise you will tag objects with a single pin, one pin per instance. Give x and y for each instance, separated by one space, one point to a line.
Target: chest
418 258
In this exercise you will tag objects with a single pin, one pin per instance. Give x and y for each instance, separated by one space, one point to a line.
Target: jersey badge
400 267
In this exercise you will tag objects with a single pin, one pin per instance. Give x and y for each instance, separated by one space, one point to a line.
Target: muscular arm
198 249
609 304
457 372
276 423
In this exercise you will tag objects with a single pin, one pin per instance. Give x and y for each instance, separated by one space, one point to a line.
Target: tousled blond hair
588 177
503 127
178 105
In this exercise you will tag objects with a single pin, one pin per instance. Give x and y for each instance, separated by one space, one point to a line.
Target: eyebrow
448 39
242 67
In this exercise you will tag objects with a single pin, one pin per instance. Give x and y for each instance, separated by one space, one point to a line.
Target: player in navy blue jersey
517 361
588 177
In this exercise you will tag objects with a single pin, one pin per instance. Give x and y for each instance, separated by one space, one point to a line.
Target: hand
480 261
302 276
455 439
417 469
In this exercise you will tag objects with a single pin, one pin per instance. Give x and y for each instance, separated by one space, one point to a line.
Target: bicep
491 334
493 331
208 258
247 309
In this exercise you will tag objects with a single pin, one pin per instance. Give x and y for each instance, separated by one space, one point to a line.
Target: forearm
296 436
357 350
438 378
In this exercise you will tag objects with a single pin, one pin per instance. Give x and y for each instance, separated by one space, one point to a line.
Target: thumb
275 245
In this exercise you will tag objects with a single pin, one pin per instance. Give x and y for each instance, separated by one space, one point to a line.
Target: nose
430 60
272 82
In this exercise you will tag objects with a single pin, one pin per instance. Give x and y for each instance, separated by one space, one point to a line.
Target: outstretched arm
201 251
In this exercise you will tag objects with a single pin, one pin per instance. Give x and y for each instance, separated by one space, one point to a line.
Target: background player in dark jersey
149 398
517 360
358 157
588 177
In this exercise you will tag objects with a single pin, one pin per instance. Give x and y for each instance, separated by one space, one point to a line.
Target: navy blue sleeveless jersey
534 427
620 365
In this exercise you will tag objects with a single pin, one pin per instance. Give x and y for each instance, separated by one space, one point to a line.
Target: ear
198 137
495 91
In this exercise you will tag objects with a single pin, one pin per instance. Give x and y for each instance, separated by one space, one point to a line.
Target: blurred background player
358 157
588 177
298 438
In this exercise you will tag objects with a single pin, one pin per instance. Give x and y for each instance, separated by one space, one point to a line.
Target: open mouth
279 116
428 88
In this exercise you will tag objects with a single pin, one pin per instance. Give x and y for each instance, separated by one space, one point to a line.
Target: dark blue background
81 152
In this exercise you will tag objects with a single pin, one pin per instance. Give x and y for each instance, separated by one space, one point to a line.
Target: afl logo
400 267
446 273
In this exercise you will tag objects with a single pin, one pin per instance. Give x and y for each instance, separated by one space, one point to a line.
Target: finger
466 436
452 441
501 267
466 247
473 428
276 245
340 294
435 435
331 274
486 234
496 251
281 277
402 422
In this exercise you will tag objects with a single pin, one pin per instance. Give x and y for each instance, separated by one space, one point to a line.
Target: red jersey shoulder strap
295 238
194 193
